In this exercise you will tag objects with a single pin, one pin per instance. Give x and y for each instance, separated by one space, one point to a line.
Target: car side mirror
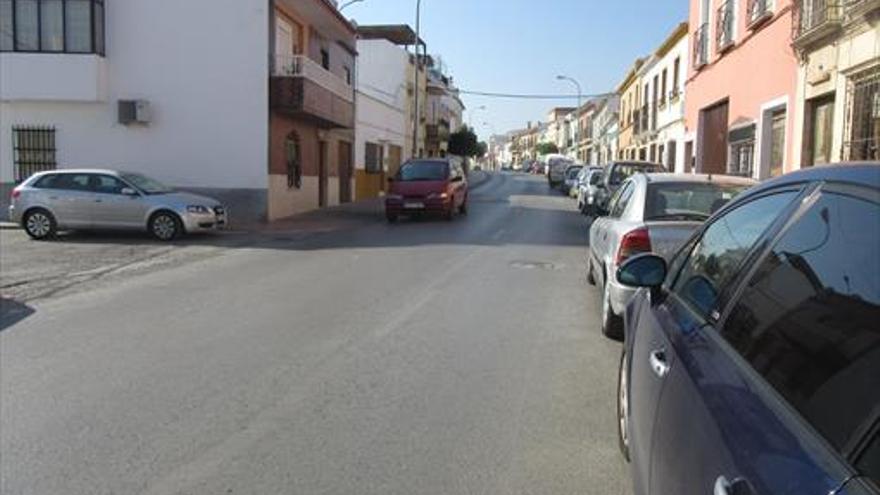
645 270
127 191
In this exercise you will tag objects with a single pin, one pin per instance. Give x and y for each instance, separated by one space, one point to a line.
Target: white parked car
650 213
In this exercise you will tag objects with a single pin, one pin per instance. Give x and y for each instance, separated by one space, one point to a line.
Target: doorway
345 172
713 139
818 130
322 174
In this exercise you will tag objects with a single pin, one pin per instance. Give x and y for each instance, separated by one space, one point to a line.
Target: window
325 59
819 128
347 75
869 462
715 259
373 159
33 150
70 182
863 117
676 69
293 156
106 184
777 142
687 200
663 88
71 26
622 201
741 154
807 320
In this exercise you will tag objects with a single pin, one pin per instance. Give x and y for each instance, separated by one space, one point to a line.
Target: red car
424 186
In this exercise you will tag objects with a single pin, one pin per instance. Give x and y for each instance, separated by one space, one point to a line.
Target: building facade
741 87
81 85
443 111
603 135
661 135
838 81
630 103
382 103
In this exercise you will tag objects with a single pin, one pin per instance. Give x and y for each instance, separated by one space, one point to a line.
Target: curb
9 226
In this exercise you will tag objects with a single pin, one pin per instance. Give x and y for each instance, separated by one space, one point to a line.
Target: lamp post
492 143
417 119
577 112
349 3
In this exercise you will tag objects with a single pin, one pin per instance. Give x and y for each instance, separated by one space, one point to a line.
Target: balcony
724 26
302 88
814 20
858 8
701 46
758 12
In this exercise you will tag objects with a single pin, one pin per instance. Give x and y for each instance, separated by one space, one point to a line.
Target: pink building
741 87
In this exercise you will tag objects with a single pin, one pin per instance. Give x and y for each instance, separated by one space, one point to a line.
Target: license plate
413 205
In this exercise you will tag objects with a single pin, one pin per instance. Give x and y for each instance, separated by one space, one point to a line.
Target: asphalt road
420 358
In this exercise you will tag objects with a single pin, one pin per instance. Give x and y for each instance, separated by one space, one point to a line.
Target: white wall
202 64
671 117
381 97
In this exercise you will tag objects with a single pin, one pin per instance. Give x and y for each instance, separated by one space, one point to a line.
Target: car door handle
659 363
736 487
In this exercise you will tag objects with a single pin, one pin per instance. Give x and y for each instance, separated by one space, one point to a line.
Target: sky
520 46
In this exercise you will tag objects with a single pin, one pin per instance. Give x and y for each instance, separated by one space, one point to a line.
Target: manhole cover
532 265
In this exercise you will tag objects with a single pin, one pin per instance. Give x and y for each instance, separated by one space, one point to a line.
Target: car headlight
442 195
198 209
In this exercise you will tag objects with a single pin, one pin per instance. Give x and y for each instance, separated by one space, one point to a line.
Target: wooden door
395 155
344 172
714 138
322 174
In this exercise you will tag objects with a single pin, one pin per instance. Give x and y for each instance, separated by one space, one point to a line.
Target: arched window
293 154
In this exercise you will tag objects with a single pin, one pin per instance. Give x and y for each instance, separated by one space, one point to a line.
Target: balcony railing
758 11
814 19
860 7
724 26
303 66
701 46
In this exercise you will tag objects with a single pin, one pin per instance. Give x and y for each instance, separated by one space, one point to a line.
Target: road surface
424 357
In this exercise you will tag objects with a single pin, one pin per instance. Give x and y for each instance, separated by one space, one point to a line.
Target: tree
546 148
463 142
482 148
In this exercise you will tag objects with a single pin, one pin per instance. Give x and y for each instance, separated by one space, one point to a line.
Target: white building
604 133
382 104
151 86
661 128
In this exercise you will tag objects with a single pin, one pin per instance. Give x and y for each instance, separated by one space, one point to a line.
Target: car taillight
635 242
16 193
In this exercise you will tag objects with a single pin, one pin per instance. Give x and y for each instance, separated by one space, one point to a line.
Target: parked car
650 212
555 169
617 172
588 190
48 202
571 173
762 333
436 185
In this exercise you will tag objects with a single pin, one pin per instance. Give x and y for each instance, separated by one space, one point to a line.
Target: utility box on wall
134 112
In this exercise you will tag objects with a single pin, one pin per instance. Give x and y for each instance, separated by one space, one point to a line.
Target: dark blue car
751 362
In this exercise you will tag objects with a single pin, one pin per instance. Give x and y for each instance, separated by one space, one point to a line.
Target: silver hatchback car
106 199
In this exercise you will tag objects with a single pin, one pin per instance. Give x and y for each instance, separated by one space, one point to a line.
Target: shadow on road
12 312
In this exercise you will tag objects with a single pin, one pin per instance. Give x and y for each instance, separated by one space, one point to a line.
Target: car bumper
205 222
14 214
620 296
417 205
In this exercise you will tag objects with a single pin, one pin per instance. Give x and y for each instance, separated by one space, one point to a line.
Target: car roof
79 171
660 178
636 162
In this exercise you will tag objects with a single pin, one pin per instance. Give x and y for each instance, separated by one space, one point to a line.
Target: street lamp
577 113
349 3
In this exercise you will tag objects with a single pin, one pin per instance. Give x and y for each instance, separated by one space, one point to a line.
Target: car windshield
423 171
573 172
623 171
146 184
688 200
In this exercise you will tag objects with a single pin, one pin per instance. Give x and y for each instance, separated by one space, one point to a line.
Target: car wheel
39 224
612 325
463 209
165 226
450 212
591 278
623 407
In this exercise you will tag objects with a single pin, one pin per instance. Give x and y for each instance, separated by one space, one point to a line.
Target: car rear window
74 182
687 200
423 171
623 171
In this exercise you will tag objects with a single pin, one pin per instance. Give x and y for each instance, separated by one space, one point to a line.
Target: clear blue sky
519 46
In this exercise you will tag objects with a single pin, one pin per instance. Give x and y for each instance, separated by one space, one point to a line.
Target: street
422 357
